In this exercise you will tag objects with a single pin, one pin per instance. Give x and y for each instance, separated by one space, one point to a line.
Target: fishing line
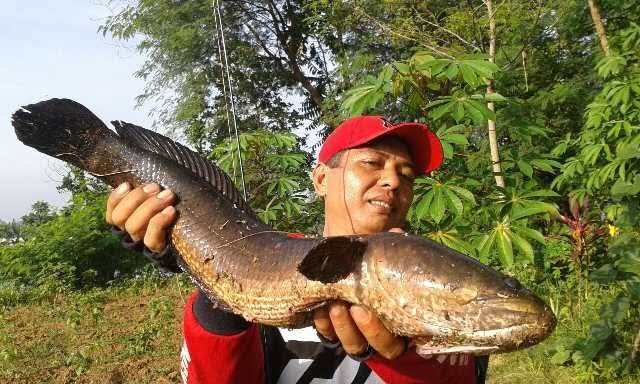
247 236
224 87
216 4
344 192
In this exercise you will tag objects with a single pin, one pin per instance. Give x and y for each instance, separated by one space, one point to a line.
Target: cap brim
424 145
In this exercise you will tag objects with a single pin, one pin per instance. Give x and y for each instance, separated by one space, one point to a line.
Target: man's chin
375 226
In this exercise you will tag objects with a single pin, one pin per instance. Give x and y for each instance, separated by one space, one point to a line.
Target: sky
53 49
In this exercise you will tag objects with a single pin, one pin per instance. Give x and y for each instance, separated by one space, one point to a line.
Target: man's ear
319 178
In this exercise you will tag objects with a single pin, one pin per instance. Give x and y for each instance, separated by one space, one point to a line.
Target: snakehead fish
442 299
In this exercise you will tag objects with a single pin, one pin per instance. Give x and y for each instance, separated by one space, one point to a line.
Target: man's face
370 191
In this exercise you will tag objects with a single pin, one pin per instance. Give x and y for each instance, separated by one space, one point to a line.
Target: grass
131 333
125 334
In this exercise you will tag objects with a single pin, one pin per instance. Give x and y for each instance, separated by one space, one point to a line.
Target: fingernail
150 188
359 314
164 194
168 210
122 188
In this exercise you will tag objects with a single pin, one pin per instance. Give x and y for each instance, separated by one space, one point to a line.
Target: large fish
443 300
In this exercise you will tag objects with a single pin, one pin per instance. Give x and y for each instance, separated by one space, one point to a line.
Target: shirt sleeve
210 358
410 368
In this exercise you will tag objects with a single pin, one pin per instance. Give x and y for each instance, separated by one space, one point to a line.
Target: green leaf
437 113
523 245
452 71
541 193
447 149
561 356
456 203
525 168
455 138
423 206
629 263
532 208
494 97
401 67
438 206
605 274
469 76
505 248
622 188
464 193
532 234
456 243
486 244
386 73
458 112
484 68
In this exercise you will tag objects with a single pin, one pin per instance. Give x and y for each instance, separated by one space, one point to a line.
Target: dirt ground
115 336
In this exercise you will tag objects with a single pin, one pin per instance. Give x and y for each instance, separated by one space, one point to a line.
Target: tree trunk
491 125
635 349
597 22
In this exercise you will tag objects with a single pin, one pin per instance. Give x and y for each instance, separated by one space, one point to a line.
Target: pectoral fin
333 259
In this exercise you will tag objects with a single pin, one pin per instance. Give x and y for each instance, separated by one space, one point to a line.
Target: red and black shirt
260 354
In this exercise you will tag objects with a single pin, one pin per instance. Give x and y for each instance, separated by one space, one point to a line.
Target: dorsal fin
165 147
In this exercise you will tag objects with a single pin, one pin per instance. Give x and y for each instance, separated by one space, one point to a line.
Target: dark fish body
417 287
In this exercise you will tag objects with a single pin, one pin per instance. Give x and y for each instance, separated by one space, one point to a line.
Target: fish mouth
514 323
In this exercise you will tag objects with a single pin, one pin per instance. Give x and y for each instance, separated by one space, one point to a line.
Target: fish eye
512 283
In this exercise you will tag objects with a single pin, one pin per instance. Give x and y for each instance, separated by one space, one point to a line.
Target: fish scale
447 302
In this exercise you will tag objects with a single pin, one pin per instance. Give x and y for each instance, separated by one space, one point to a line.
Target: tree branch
475 47
392 32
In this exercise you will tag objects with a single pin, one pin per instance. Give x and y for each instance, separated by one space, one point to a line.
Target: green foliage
604 343
10 232
272 54
276 175
417 81
71 250
41 212
608 148
566 118
446 90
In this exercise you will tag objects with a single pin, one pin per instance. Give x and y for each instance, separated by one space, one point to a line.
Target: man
365 176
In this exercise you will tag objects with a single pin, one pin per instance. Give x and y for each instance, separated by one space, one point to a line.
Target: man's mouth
381 206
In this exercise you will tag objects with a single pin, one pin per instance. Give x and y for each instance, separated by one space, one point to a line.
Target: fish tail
64 129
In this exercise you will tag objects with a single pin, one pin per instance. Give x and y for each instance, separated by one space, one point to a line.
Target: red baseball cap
424 145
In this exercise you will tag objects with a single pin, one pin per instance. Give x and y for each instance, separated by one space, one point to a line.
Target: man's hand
357 328
145 213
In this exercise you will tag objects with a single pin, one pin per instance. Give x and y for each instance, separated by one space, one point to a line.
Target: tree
272 52
491 124
41 212
597 22
10 232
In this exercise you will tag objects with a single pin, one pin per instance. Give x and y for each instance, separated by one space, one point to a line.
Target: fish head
447 299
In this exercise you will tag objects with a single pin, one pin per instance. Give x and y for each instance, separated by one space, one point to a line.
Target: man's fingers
136 224
380 339
397 230
155 238
323 325
130 202
350 336
114 198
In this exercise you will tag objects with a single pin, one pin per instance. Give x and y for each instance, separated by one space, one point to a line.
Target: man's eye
371 163
408 176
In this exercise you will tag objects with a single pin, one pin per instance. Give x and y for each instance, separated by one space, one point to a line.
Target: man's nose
389 178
